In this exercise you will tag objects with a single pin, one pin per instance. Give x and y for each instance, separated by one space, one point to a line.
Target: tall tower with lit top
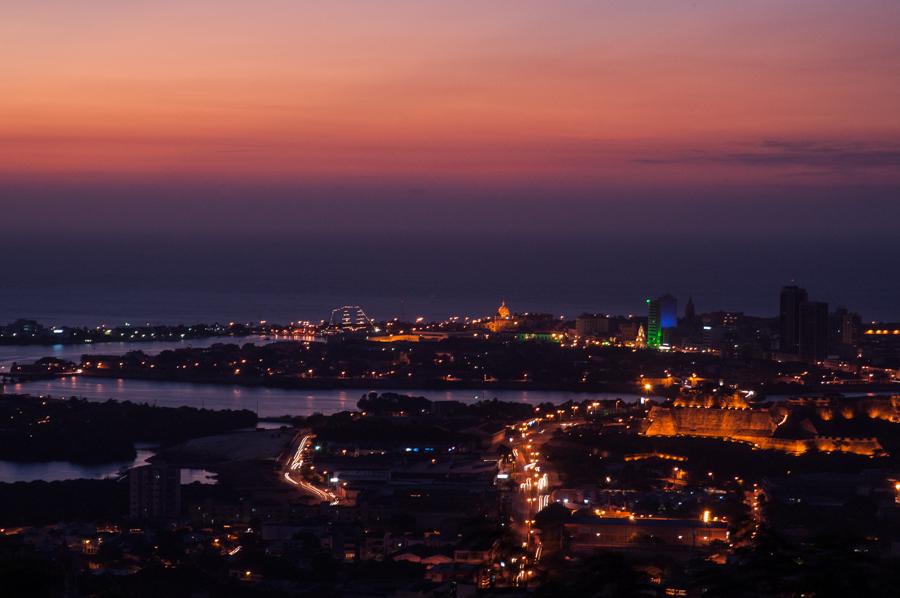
662 315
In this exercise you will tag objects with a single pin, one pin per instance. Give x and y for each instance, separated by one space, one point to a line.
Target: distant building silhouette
844 327
592 325
792 297
813 330
690 312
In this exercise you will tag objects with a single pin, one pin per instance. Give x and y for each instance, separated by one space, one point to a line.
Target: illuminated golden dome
503 311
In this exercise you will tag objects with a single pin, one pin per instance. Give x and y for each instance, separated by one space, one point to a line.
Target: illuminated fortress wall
886 408
748 425
869 447
738 424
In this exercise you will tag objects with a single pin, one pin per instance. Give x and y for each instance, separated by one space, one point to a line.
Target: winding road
293 473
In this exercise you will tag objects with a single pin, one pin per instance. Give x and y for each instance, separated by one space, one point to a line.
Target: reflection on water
270 425
54 471
267 402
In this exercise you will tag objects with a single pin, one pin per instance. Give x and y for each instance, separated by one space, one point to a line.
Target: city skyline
285 310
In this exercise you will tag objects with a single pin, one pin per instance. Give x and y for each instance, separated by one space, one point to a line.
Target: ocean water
283 279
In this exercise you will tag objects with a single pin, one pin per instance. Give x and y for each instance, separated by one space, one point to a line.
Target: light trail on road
296 465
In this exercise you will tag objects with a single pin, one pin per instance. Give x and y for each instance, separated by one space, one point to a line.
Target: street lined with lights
293 474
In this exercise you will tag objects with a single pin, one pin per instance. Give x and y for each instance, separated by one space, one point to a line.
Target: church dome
503 311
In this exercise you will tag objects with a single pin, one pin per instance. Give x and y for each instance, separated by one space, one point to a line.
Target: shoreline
50 342
358 384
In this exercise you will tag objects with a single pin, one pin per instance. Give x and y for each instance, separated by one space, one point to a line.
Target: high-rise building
154 492
813 330
792 297
690 312
662 316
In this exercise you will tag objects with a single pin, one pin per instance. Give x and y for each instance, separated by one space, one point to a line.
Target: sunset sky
615 93
745 121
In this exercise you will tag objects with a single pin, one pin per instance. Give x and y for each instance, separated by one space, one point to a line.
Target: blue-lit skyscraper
662 315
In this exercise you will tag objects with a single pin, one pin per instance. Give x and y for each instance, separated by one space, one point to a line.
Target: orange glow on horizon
285 90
